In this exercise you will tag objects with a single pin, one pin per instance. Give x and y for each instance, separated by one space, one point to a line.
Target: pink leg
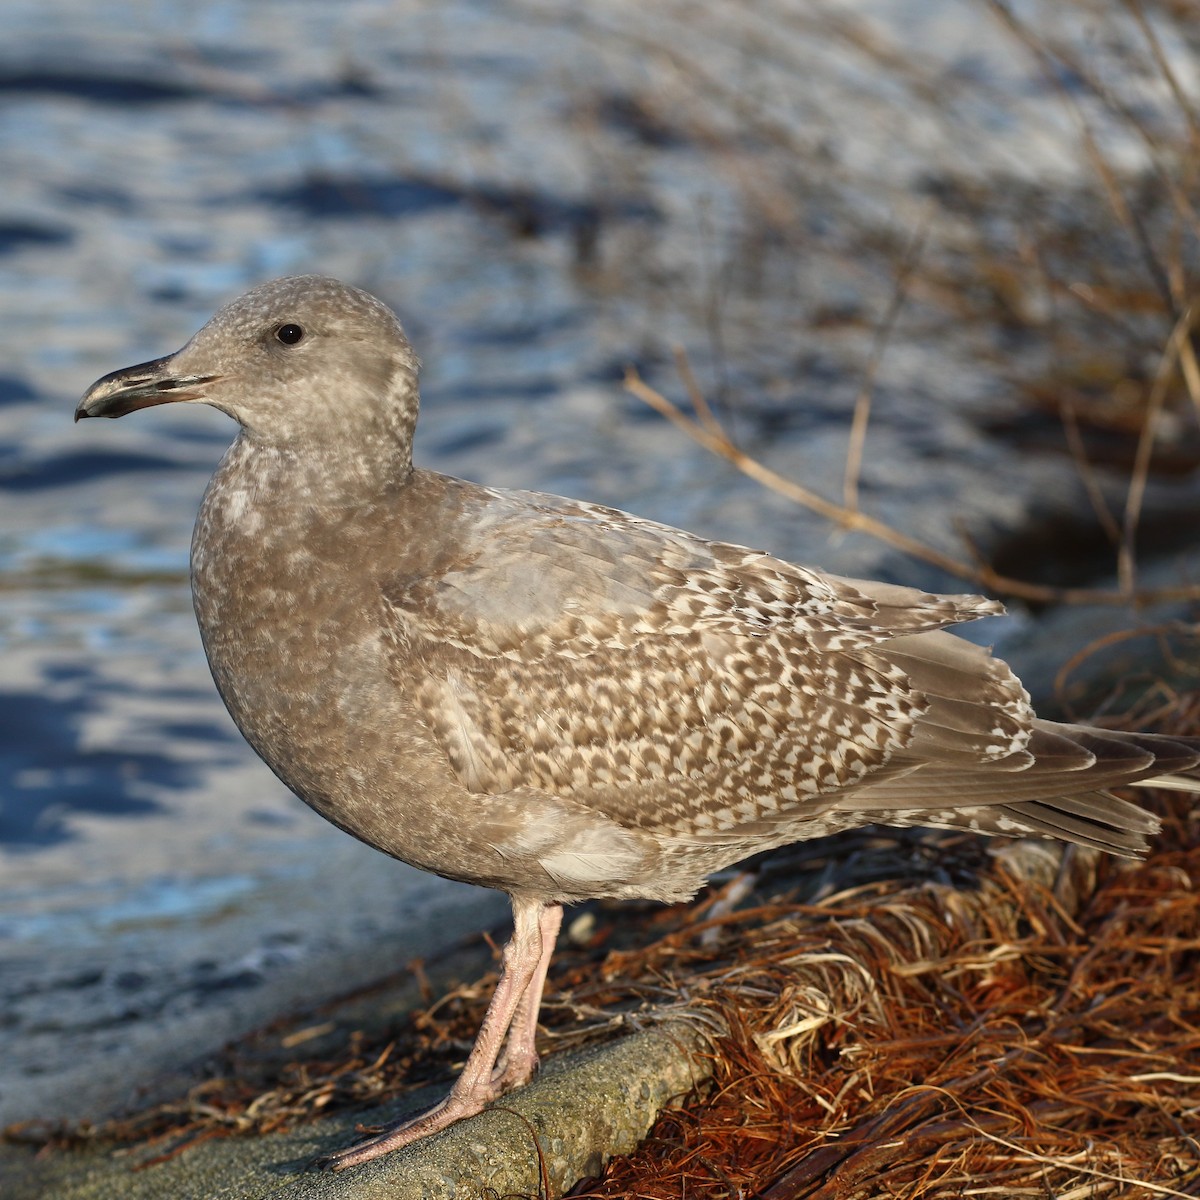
519 1062
524 963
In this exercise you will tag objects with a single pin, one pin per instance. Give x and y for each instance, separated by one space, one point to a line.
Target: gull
558 699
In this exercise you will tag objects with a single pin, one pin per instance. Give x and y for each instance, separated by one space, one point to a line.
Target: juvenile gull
561 700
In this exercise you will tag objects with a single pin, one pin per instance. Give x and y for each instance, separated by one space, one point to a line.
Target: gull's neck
341 473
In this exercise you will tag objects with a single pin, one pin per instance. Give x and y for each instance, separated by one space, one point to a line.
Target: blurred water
546 194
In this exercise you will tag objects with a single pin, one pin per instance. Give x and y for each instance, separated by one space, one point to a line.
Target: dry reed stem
862 403
1182 100
1180 335
1087 474
1114 638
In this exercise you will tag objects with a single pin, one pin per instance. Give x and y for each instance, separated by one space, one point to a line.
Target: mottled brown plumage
561 700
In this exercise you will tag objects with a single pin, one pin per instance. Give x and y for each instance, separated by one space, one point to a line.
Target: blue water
95 912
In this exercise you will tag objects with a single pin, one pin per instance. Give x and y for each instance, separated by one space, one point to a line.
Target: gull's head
298 360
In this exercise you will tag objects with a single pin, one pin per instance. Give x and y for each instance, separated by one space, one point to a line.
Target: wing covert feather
669 682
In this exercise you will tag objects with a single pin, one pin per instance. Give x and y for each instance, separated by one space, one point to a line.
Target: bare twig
1182 100
1102 643
695 394
1187 363
862 404
1180 336
1090 483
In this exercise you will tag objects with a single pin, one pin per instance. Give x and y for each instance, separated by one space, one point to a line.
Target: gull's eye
289 334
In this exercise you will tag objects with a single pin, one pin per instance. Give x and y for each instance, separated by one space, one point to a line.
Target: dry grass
1100 292
1075 298
893 1041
